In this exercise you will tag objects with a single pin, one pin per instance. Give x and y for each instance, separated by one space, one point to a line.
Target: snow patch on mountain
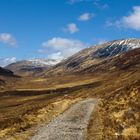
43 62
116 47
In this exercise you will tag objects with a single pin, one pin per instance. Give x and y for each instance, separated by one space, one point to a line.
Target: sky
57 29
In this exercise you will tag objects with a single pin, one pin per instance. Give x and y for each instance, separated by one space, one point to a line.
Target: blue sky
59 28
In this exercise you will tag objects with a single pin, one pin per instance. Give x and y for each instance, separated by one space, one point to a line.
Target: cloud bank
86 16
132 21
8 39
71 28
63 47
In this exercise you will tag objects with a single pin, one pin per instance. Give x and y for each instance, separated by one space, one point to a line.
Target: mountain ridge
31 66
5 72
93 55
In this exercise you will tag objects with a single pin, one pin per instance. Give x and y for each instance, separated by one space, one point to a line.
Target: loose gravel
71 125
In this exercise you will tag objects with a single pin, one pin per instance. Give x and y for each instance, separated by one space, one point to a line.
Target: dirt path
71 125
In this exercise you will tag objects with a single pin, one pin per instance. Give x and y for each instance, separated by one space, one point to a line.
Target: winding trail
71 125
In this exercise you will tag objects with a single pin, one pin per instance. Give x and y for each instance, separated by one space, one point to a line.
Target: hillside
5 72
6 78
93 55
113 80
31 67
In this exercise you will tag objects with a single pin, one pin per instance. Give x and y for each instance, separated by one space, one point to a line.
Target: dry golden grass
21 110
120 113
117 88
44 114
118 95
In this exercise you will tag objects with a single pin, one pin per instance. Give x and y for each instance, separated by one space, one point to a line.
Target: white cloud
77 1
131 21
99 41
71 28
56 56
100 6
117 24
6 61
96 3
62 48
109 23
74 1
85 16
8 39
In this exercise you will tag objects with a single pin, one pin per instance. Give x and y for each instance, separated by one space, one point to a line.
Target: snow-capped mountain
115 47
94 55
109 49
31 66
81 60
43 62
35 63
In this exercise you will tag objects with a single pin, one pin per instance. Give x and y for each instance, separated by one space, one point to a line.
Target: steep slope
94 55
125 61
6 78
30 67
5 72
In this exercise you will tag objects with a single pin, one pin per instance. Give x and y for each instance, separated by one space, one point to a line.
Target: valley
28 102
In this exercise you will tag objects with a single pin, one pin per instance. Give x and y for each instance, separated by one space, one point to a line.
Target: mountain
32 66
125 61
109 73
5 72
7 78
94 55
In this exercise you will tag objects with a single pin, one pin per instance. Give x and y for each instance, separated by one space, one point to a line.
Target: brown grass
118 111
20 112
117 116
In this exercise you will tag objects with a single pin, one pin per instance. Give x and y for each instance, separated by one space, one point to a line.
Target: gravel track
71 125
